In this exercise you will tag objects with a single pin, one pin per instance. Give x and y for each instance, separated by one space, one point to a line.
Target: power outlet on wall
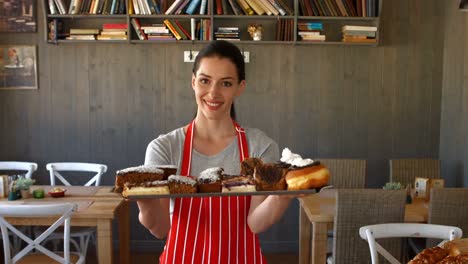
189 56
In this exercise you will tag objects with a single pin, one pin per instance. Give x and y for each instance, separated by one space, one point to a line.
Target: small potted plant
23 184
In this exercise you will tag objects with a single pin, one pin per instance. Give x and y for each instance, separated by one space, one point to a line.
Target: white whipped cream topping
212 174
294 159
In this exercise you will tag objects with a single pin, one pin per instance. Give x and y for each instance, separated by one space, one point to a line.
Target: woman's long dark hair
223 49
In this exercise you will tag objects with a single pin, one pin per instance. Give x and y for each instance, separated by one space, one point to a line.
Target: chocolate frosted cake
137 175
270 177
182 184
209 180
248 166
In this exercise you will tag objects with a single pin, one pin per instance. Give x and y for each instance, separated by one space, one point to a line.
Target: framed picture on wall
18 15
18 67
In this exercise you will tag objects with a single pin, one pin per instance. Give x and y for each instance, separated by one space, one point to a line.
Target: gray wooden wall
105 102
454 111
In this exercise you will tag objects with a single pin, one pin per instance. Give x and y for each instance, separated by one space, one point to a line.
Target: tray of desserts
292 176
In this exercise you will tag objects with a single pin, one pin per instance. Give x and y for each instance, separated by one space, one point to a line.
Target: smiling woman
220 229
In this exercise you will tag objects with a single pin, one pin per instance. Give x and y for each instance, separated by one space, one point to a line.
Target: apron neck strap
188 146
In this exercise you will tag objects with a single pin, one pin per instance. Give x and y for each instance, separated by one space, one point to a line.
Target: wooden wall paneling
255 108
357 79
330 120
141 99
302 103
451 132
108 105
181 105
434 74
63 102
157 63
462 180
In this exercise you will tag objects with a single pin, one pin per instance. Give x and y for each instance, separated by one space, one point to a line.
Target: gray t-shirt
168 149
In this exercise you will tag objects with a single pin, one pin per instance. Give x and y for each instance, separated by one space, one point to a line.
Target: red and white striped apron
211 229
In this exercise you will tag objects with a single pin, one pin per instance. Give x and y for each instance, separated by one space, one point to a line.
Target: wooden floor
145 258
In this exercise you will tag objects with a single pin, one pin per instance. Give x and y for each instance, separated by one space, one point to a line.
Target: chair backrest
346 173
29 167
449 206
405 171
55 169
360 207
372 232
62 211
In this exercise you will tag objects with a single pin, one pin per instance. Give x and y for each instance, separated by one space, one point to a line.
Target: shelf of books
301 22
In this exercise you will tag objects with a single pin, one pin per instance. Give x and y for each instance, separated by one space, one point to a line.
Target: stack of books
83 34
360 34
228 33
157 32
113 31
311 31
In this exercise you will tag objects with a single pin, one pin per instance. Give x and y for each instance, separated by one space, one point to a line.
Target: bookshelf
290 27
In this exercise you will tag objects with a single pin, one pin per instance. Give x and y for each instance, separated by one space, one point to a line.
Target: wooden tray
188 195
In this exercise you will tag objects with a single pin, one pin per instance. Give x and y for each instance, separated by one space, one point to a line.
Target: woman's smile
213 105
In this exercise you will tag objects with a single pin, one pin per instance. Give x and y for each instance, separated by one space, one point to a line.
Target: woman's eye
227 84
203 81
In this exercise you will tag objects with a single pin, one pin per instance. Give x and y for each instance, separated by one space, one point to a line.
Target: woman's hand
267 210
154 215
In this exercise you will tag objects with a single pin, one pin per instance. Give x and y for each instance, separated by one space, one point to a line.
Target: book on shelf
256 7
130 9
245 7
184 31
173 7
84 31
226 8
173 30
61 7
308 8
235 7
268 6
286 7
219 8
342 8
136 7
278 7
358 28
137 27
181 7
115 26
52 8
81 37
192 6
203 7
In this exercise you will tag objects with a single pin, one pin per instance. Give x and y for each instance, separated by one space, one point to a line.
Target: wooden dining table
98 206
316 217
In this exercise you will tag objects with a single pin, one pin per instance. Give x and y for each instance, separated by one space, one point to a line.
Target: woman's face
216 85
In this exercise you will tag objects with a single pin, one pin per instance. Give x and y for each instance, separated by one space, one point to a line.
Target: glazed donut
309 177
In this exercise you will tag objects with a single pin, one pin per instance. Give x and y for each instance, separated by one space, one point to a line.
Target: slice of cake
146 188
238 184
182 184
270 177
141 174
209 180
248 166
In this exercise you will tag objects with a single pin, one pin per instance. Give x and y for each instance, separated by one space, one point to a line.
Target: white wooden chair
42 255
55 169
82 234
23 166
29 167
372 232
